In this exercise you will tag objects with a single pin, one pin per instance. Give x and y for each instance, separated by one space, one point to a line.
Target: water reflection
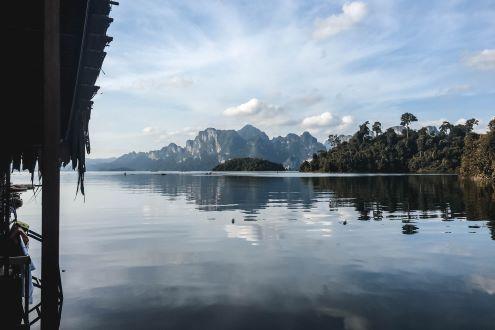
406 198
218 193
251 233
192 251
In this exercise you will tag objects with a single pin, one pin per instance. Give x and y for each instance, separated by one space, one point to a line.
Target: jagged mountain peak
306 136
249 132
171 145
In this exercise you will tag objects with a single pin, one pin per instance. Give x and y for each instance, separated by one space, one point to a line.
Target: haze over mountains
212 147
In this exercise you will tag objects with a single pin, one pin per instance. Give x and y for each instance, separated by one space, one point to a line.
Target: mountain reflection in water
275 251
407 198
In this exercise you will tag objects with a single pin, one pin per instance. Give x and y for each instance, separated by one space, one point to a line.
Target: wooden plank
26 295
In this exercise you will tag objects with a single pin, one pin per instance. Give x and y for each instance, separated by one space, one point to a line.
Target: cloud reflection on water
162 252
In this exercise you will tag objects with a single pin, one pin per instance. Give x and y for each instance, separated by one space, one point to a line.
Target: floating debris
409 229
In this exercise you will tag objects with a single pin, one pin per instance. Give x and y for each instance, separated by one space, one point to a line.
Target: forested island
248 164
451 148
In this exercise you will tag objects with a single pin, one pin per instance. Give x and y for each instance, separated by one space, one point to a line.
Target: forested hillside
450 149
478 159
248 164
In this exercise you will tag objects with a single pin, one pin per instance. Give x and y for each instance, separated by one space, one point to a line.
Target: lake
274 251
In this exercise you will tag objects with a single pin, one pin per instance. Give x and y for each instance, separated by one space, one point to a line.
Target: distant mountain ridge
212 147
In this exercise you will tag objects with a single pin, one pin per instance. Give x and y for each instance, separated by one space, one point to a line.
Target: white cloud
455 90
148 130
484 60
352 13
347 120
251 107
323 120
260 113
184 133
326 119
166 136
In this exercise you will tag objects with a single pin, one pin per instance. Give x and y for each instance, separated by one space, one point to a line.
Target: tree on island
406 119
248 164
377 128
445 127
470 123
364 132
333 140
491 126
478 159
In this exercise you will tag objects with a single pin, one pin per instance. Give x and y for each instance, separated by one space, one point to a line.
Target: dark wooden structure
55 50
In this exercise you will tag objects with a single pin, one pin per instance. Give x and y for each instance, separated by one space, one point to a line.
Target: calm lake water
277 251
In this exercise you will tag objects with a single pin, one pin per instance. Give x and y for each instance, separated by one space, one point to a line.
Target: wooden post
26 292
50 166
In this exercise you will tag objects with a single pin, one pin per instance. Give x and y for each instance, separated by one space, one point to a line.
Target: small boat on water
17 188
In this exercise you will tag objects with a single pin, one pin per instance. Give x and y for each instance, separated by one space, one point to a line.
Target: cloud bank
252 107
352 13
260 113
326 120
484 60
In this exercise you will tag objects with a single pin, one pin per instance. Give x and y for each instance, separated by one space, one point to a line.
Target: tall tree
364 131
406 119
470 123
334 140
445 127
377 128
491 125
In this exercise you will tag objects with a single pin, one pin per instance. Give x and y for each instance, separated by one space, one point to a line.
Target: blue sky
176 67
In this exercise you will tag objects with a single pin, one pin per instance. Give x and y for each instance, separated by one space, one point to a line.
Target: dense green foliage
419 151
248 164
478 159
